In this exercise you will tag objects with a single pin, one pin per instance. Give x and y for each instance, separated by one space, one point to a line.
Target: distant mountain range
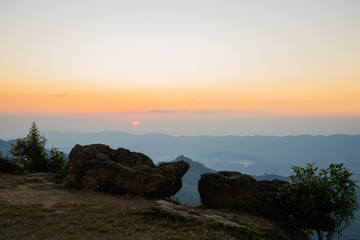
254 155
5 146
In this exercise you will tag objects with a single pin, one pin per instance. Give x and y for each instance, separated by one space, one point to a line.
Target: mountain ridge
254 155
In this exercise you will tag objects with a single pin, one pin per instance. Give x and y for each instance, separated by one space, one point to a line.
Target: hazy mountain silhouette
189 194
5 146
254 155
249 154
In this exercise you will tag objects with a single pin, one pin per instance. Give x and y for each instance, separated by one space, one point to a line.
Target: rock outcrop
234 190
234 220
97 166
174 210
9 166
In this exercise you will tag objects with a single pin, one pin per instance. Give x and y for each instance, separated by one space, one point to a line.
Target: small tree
56 160
31 153
324 202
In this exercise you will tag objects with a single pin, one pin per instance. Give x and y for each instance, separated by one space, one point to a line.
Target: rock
97 166
172 209
9 166
234 190
48 177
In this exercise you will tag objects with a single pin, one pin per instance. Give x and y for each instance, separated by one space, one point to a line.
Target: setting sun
135 124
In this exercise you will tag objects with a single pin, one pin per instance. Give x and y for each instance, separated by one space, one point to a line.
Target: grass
79 221
21 179
11 181
89 222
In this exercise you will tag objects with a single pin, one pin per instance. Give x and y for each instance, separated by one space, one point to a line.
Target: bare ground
49 195
21 190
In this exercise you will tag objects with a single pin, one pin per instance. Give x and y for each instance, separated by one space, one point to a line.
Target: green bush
31 153
323 201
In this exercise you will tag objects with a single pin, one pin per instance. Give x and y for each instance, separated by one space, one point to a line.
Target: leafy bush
31 153
57 161
324 201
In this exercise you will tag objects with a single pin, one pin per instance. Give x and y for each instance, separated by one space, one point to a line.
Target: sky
195 67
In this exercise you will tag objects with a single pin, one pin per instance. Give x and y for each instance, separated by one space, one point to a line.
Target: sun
135 124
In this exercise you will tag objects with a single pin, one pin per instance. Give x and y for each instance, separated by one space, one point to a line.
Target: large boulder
234 190
9 166
97 166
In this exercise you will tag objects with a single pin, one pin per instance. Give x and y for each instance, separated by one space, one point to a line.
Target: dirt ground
48 194
20 190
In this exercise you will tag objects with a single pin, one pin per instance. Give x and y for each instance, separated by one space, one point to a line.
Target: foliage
323 201
57 160
31 153
1 153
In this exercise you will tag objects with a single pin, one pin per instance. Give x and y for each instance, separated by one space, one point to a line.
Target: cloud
187 111
210 111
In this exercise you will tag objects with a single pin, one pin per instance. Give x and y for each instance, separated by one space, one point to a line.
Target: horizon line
8 138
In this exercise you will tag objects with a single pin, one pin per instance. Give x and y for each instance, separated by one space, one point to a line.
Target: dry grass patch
90 222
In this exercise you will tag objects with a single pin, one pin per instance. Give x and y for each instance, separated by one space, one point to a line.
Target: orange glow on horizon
19 97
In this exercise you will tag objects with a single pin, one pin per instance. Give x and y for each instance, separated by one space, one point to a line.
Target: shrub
324 201
31 153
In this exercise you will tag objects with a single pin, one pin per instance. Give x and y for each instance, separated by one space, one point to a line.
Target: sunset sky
180 67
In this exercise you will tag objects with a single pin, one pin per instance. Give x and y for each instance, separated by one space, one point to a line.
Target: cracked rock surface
98 166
